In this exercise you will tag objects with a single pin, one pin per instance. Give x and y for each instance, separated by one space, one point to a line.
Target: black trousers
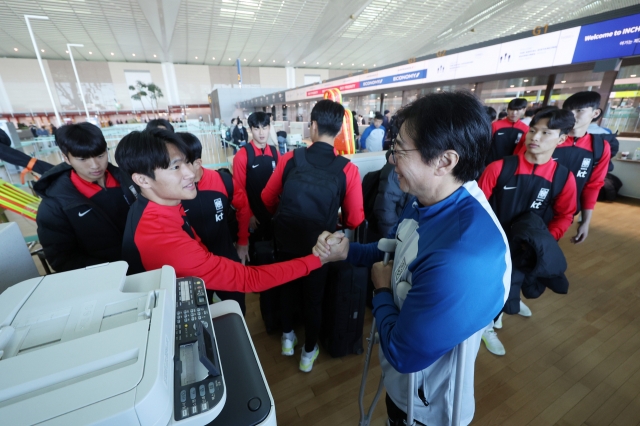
397 417
230 295
312 293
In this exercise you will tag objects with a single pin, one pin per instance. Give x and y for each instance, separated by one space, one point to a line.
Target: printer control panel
198 382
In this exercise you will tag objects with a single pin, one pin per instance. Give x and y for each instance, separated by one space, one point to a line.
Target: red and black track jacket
506 135
578 155
158 235
528 187
209 213
252 178
320 154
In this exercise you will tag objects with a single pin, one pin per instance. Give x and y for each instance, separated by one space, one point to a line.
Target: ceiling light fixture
16 49
274 60
133 54
259 60
632 75
563 81
341 63
90 53
66 51
363 65
112 53
287 61
42 50
304 62
525 80
352 64
512 86
214 58
196 57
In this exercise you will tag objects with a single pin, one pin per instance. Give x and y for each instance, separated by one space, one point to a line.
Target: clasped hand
331 247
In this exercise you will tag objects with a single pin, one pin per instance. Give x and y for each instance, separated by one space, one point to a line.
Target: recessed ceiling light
16 49
632 75
66 51
42 50
563 81
341 63
274 60
229 58
259 60
438 89
473 90
214 58
329 63
363 65
90 53
304 62
287 61
352 64
196 57
526 81
374 65
317 63
133 54
512 86
112 53
154 56
245 59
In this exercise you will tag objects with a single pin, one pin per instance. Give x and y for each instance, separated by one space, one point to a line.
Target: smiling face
90 169
171 185
541 140
413 173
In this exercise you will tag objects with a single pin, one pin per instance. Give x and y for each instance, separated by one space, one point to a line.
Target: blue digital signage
398 78
609 39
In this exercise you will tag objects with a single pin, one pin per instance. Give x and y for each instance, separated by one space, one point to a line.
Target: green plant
154 93
140 92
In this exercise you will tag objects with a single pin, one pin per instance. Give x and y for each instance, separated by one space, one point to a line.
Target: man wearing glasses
452 268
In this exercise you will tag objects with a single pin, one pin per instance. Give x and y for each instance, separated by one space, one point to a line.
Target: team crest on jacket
582 173
219 214
542 195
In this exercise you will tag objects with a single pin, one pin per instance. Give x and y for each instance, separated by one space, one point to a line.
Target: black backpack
232 220
370 184
309 204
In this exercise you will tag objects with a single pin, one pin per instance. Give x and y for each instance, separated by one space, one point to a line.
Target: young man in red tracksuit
586 155
507 132
305 193
212 213
158 232
253 165
532 182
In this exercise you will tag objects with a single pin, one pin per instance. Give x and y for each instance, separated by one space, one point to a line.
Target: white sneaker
498 324
307 359
288 345
524 310
491 341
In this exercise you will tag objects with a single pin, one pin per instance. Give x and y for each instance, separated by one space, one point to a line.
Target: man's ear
198 162
66 159
143 181
447 162
562 139
596 114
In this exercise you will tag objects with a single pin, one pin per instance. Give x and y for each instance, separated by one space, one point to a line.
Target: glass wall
368 105
392 101
498 93
623 110
569 83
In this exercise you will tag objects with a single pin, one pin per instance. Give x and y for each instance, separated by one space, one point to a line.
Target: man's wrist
377 291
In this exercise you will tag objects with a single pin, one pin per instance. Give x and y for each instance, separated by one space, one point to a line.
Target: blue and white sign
398 78
615 38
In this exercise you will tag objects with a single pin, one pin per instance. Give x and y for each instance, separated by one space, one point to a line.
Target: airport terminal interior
168 167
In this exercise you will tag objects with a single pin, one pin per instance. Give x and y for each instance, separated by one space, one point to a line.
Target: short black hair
233 119
491 112
144 152
530 112
435 125
328 115
502 114
156 123
378 116
561 119
82 140
259 119
581 100
517 103
193 143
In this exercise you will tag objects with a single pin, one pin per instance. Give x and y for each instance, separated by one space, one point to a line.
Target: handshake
331 247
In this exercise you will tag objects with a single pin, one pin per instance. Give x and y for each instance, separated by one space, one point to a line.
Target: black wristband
377 291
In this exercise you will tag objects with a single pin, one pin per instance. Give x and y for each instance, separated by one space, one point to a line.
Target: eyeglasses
401 153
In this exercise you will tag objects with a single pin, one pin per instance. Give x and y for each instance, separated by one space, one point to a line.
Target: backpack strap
560 177
509 167
597 142
251 155
274 153
228 184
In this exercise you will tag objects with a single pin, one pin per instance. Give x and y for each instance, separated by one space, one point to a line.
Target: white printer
94 346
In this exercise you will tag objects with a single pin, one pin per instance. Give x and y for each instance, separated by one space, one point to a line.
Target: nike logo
500 134
82 214
510 187
186 210
254 166
554 159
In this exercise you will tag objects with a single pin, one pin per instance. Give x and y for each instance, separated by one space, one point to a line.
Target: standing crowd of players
160 206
